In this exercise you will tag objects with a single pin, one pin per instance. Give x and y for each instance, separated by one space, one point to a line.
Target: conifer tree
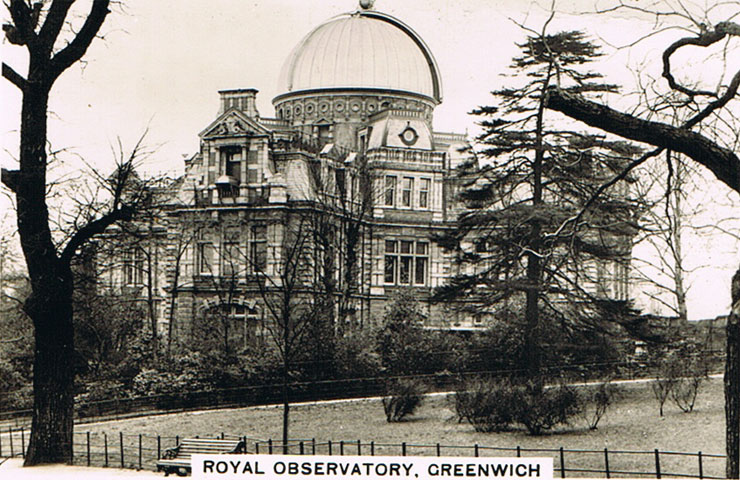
516 242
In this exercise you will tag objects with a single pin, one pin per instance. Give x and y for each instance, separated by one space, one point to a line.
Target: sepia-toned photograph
371 239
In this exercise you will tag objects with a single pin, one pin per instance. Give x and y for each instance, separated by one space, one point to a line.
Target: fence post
10 435
341 447
439 450
657 464
159 447
477 453
257 447
72 451
120 436
23 442
105 447
359 447
562 463
300 448
701 467
606 462
403 449
1 445
518 451
313 446
87 436
372 448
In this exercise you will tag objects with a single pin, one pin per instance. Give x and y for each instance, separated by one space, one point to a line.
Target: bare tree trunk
53 376
150 301
675 219
732 383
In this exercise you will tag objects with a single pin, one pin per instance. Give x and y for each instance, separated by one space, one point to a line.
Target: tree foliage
514 242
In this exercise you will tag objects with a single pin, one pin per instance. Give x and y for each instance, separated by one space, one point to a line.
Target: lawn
631 424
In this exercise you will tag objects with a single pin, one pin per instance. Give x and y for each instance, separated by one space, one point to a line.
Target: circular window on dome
310 108
355 107
287 112
324 107
339 106
371 107
409 136
298 110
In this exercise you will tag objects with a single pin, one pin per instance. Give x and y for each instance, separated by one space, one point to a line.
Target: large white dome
362 50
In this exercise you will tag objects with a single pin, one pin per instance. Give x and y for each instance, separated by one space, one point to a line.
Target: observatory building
336 199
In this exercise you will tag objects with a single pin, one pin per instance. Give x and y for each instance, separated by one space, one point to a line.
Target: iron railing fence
141 452
330 389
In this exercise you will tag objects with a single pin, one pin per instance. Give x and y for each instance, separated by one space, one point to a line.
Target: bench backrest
190 446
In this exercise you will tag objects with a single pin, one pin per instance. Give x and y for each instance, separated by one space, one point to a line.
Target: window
390 261
257 248
232 161
424 184
133 267
205 258
407 192
406 262
390 190
421 261
230 259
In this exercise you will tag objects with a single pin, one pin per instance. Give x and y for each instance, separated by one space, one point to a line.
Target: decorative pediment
233 123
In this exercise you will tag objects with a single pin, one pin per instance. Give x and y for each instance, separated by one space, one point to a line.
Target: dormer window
231 158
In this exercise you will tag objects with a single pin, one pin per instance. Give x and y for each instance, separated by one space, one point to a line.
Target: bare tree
704 146
289 300
663 232
55 42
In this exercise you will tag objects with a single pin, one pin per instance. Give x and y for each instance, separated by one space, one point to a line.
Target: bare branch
14 77
78 46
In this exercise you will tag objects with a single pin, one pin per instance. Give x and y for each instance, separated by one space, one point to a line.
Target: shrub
693 372
402 399
499 405
540 408
488 405
595 400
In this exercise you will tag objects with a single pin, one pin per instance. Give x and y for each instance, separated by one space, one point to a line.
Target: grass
631 424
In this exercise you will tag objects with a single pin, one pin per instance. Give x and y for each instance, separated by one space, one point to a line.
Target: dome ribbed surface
362 50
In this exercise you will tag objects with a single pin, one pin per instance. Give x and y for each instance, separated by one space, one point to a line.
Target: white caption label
322 467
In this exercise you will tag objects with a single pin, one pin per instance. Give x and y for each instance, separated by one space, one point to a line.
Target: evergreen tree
521 242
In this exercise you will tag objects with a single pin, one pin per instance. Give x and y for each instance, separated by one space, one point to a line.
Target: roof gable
233 123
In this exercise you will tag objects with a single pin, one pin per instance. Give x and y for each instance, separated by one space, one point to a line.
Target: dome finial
366 4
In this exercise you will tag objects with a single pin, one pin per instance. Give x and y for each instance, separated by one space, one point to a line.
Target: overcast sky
161 64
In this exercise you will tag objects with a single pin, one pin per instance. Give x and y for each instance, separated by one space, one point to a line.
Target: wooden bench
177 459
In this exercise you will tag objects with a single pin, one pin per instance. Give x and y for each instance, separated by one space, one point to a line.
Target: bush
595 400
488 405
499 405
540 409
402 399
692 373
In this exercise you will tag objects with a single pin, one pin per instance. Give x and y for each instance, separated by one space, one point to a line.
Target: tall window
205 258
133 267
230 259
424 184
391 261
407 192
257 248
390 190
406 262
232 159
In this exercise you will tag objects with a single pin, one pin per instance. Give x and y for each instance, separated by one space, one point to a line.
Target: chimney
244 99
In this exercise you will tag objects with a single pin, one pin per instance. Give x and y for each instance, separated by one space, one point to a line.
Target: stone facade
354 156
